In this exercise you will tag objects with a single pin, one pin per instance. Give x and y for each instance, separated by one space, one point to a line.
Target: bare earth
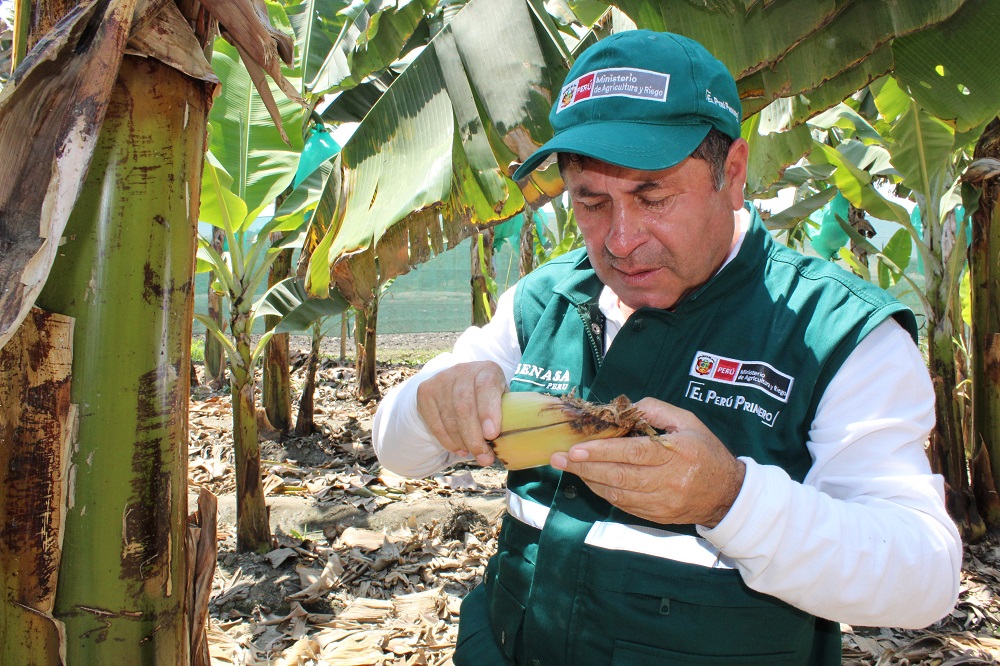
370 568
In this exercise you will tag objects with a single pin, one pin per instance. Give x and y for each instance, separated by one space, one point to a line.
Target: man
791 491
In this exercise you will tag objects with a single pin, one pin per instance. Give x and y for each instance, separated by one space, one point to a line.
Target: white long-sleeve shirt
864 539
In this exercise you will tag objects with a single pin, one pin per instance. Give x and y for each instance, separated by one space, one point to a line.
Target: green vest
750 353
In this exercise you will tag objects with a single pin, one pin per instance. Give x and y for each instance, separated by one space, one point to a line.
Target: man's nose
625 233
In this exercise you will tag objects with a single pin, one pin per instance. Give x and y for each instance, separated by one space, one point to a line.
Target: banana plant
239 272
261 157
921 157
556 237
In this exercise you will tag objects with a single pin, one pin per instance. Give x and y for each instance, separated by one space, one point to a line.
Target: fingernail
484 459
463 453
578 454
559 460
489 430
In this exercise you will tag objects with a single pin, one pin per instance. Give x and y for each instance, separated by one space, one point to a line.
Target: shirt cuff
753 512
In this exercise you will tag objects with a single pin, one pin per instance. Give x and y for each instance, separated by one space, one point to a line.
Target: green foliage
491 284
558 239
372 38
945 69
239 273
198 350
317 25
245 143
897 251
429 161
298 311
774 146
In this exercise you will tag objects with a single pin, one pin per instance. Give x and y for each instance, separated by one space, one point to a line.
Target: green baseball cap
642 100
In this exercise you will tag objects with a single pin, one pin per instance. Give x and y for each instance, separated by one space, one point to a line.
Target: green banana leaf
245 140
220 207
794 214
368 43
949 70
317 24
744 41
428 164
836 47
898 250
583 13
785 49
289 300
772 153
856 186
351 106
921 149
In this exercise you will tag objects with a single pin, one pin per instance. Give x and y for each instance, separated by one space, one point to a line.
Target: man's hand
685 476
461 407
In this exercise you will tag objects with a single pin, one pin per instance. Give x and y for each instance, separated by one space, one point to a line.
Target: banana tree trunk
364 333
253 530
215 356
859 221
305 423
985 346
125 275
37 421
483 273
527 245
343 337
277 393
947 445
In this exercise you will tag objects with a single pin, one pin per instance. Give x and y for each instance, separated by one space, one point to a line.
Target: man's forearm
868 562
865 538
400 437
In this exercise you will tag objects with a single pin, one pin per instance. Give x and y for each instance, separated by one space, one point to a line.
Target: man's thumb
663 415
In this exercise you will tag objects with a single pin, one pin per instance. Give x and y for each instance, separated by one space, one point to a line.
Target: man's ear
736 171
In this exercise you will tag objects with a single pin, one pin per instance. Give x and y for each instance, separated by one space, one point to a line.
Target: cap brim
626 144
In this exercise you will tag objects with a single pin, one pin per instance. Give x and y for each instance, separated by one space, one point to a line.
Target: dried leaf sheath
50 117
535 426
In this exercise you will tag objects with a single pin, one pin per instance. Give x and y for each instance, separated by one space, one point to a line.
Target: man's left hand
686 476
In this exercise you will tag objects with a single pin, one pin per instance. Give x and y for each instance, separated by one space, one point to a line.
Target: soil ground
370 568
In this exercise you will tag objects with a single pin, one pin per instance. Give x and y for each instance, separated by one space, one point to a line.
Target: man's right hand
461 407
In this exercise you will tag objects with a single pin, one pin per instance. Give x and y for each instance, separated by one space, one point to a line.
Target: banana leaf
818 46
317 24
244 139
921 150
298 310
67 79
949 70
772 153
428 164
800 210
369 43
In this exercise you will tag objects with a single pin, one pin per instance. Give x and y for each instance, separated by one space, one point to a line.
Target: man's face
654 236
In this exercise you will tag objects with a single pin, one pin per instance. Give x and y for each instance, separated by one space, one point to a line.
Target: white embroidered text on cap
615 82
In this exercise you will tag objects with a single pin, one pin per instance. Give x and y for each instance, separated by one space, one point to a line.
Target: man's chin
634 299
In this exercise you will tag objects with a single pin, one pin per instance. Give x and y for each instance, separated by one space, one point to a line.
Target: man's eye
592 208
655 203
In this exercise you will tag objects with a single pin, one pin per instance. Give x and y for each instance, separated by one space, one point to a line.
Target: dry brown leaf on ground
362 648
322 581
279 555
458 481
366 610
429 605
304 650
354 537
